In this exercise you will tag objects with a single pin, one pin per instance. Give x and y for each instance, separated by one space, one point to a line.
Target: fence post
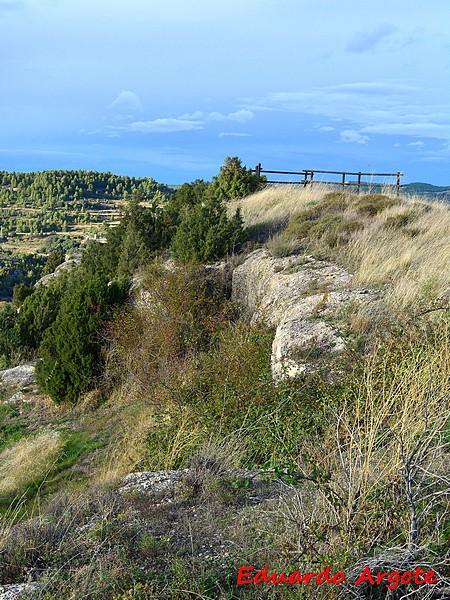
343 181
359 182
258 171
398 183
305 179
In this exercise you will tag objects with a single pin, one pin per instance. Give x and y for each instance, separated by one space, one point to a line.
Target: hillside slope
343 465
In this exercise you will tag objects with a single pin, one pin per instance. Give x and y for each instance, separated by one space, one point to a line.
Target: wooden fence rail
308 178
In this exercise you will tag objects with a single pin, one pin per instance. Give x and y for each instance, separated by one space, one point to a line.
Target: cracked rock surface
300 296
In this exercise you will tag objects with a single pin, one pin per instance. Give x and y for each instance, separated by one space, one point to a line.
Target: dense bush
39 310
55 258
207 233
71 346
9 335
20 292
142 233
234 180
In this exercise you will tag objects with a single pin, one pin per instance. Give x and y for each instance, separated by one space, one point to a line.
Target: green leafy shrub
401 220
9 335
333 230
207 233
234 180
55 258
188 195
39 311
187 308
20 292
70 348
142 233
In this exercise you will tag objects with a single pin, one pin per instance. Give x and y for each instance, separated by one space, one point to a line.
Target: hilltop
280 396
426 189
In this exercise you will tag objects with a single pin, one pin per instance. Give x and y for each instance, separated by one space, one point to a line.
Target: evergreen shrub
70 351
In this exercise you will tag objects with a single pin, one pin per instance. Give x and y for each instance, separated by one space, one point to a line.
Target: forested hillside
43 212
52 201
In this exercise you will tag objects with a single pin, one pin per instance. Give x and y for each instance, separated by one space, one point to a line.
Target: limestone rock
66 265
15 591
301 296
152 481
267 288
305 334
20 378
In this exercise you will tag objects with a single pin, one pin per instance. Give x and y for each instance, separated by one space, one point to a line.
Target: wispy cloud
417 144
165 125
127 101
350 136
240 116
418 129
195 121
233 134
367 40
390 107
325 128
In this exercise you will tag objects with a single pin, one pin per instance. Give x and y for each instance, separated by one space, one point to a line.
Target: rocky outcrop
152 481
307 333
16 591
67 265
303 297
19 379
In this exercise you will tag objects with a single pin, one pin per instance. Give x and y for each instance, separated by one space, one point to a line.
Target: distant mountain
426 189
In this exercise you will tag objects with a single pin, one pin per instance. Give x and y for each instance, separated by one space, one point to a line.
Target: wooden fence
308 178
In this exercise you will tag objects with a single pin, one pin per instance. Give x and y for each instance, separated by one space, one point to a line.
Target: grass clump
27 459
400 244
373 204
331 230
280 245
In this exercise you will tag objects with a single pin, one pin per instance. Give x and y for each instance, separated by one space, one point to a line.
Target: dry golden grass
405 247
386 453
277 204
28 459
412 261
128 446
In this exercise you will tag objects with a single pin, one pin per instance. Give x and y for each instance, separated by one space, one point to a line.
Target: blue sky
169 89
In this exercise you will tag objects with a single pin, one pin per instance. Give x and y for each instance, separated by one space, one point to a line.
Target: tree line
49 201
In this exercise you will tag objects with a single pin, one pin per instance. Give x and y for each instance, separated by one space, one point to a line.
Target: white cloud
367 40
165 125
418 144
423 129
239 116
325 128
389 107
232 134
198 115
351 136
189 122
127 101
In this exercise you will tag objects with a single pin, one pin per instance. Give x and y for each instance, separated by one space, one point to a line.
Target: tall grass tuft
26 460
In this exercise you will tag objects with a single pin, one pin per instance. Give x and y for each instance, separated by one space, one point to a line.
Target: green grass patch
60 475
